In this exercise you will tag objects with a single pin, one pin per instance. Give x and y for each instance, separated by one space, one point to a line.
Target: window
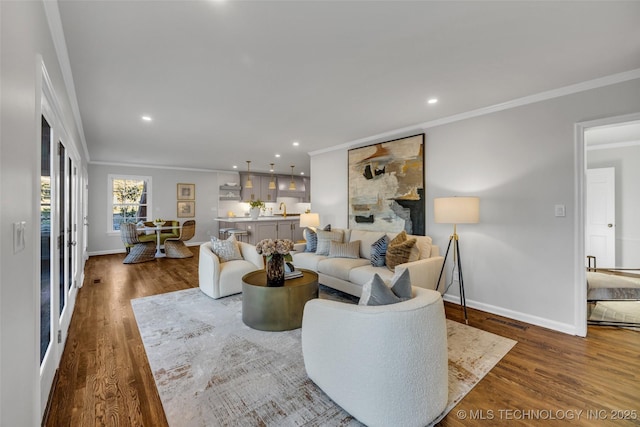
129 200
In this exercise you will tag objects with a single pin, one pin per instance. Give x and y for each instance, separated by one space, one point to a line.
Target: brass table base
276 308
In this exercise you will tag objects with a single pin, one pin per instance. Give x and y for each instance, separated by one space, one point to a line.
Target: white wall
24 36
626 161
519 260
164 202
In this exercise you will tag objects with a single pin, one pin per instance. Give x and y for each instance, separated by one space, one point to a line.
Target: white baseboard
122 250
516 315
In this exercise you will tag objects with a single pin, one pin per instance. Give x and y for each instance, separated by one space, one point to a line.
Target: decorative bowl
232 184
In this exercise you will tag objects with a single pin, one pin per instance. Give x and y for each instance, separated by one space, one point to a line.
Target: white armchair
218 279
385 365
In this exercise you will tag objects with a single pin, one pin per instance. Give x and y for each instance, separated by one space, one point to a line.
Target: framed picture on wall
386 186
186 191
186 209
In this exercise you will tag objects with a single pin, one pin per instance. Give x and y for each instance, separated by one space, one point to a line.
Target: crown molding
57 35
612 145
142 165
518 102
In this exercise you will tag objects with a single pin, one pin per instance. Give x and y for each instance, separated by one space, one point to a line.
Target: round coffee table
276 308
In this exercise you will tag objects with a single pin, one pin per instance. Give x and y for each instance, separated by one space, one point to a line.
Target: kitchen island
265 227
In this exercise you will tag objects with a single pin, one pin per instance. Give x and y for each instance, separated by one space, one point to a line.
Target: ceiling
230 81
625 133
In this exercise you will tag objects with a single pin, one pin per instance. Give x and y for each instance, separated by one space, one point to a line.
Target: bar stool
222 233
238 234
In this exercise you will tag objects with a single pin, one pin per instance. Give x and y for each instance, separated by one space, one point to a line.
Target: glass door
59 264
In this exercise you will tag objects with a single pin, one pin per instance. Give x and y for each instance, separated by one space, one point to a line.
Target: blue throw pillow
312 240
379 251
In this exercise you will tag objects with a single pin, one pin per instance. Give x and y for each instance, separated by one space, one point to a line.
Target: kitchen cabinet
260 189
283 187
260 229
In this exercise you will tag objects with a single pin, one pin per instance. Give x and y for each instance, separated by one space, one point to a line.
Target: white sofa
385 365
349 275
218 279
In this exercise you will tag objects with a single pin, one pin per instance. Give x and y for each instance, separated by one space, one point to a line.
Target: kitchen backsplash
242 209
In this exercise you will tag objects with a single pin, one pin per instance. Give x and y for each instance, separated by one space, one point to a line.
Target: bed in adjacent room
613 297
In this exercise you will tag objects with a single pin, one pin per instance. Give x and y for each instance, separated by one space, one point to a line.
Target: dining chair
174 247
139 251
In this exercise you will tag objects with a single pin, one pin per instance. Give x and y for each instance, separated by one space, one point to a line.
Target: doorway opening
607 227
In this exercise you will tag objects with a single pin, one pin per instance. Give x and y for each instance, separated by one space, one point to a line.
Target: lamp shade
456 210
309 220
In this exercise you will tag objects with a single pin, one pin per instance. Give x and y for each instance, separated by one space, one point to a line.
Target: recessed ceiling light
301 173
432 101
146 118
235 166
296 143
277 155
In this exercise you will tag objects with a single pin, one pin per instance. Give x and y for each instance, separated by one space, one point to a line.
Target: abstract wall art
386 186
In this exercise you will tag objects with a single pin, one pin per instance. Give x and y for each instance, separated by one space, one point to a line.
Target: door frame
580 272
47 105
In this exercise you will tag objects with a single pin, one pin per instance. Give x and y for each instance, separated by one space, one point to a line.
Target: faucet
284 215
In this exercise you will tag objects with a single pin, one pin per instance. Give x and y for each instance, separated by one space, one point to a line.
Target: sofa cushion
367 238
399 253
307 260
379 251
423 243
361 275
325 238
340 267
344 250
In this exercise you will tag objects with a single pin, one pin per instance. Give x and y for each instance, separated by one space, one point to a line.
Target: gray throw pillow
226 250
401 285
376 292
344 250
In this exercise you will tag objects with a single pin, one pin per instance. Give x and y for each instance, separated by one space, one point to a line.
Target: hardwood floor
548 378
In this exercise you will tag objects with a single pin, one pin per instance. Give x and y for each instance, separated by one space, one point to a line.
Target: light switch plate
560 210
18 236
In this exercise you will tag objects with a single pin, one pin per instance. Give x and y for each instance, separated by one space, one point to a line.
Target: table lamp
310 220
456 210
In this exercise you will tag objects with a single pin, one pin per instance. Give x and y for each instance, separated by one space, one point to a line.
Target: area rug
213 370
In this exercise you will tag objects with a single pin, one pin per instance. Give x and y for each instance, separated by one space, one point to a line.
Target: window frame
110 180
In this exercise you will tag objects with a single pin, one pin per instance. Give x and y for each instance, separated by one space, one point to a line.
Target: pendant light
272 183
248 184
292 185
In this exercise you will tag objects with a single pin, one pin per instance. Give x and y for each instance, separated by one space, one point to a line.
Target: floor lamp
456 210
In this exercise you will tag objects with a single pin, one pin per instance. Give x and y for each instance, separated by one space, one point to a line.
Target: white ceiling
229 81
626 133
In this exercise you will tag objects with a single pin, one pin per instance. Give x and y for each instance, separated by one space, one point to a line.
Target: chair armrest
424 272
299 247
208 269
249 253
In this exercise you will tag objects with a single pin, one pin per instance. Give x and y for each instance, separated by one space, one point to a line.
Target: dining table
159 229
